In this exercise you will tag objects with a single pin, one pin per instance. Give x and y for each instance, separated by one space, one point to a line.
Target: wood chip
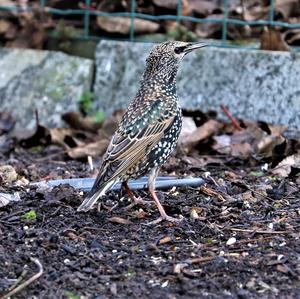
119 220
164 240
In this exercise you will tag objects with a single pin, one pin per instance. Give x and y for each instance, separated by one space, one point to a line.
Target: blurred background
63 25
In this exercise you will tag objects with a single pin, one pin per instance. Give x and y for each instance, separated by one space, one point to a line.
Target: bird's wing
128 147
133 140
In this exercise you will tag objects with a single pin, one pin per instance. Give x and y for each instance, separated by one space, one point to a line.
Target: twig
199 260
27 282
231 118
50 156
23 274
258 231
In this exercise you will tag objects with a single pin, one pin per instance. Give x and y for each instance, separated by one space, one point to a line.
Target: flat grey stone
257 85
51 82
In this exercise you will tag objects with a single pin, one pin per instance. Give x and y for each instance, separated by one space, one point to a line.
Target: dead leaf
206 30
266 145
122 25
272 40
189 140
284 168
196 161
65 137
169 4
188 127
8 174
287 8
77 122
251 141
4 26
292 36
206 190
111 123
30 138
203 8
94 149
6 198
7 122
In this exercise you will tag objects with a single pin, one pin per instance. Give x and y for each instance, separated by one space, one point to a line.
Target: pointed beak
193 46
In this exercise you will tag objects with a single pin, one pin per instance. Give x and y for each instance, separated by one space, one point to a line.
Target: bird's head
164 58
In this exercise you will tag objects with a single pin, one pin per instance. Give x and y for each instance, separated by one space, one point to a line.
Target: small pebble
231 241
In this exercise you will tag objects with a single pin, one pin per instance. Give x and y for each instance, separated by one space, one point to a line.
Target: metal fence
225 21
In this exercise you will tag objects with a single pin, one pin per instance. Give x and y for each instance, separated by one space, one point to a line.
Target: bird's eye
178 50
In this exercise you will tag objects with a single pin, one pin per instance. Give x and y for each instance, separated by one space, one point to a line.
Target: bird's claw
138 201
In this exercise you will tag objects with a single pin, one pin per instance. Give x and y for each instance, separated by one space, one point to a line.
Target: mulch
239 237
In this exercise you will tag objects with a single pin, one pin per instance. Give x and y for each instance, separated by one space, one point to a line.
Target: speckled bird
149 129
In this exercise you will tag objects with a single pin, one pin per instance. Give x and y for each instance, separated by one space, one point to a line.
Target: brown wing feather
124 151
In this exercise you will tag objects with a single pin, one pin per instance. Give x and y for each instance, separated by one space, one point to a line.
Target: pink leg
136 200
163 214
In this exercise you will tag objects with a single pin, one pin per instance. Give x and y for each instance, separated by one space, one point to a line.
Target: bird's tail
93 196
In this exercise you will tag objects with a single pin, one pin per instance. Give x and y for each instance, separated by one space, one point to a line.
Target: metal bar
86 20
132 17
85 184
160 17
224 26
179 11
132 14
272 11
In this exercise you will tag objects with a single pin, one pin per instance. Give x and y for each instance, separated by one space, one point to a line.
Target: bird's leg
163 214
136 200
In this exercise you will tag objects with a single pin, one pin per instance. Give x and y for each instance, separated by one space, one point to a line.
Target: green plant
86 102
71 295
99 117
31 215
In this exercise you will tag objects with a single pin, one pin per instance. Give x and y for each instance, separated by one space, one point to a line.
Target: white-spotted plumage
149 129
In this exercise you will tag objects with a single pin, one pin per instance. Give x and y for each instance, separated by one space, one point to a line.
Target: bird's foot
165 218
138 201
109 209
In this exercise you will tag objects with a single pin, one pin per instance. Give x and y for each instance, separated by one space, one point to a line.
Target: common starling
149 129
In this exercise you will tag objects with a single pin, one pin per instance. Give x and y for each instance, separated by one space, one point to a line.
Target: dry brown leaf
65 137
200 162
206 30
287 8
212 193
94 149
284 168
111 123
8 174
203 8
272 40
266 145
122 25
189 140
188 127
172 5
4 26
292 36
252 140
241 150
169 4
76 121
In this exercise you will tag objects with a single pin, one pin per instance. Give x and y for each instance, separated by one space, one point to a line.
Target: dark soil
113 254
